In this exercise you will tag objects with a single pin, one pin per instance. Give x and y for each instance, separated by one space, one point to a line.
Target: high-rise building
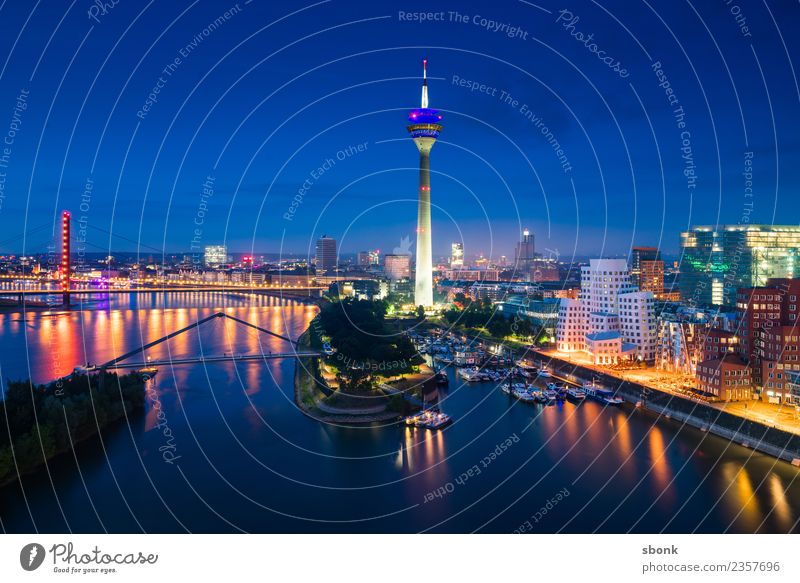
457 256
716 261
424 130
215 255
397 266
651 276
363 258
326 255
524 253
610 319
638 255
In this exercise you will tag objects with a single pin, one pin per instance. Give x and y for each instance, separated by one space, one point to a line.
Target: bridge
285 291
66 279
120 362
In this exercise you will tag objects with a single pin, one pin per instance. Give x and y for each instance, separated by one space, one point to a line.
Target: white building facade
611 319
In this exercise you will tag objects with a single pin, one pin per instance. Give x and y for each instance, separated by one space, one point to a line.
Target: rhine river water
248 460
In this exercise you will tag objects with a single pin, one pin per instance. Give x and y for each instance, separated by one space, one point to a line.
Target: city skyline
354 170
238 296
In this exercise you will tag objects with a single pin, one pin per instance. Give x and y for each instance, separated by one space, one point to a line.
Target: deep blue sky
267 97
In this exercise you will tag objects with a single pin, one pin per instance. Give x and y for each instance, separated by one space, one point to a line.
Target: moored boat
429 419
601 394
576 393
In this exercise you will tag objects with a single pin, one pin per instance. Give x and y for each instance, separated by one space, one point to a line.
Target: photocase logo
31 556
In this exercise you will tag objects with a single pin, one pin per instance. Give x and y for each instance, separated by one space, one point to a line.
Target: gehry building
611 319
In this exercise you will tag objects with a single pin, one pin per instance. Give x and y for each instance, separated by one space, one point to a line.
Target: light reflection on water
240 420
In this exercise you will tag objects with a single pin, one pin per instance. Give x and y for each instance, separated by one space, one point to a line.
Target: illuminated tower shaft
424 130
423 285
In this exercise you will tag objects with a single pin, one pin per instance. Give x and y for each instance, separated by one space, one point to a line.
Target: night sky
249 110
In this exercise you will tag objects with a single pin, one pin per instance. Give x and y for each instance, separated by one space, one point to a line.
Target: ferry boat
601 394
430 419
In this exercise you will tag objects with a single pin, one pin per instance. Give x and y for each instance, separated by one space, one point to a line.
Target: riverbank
39 423
740 430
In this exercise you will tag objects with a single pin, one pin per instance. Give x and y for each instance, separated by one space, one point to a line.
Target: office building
397 267
543 314
488 274
457 256
651 276
326 256
771 335
638 255
717 261
724 379
610 320
524 253
215 255
719 343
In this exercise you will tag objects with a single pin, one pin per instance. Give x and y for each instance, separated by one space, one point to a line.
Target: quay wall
753 434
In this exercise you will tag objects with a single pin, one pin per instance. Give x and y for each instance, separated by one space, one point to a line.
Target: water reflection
223 416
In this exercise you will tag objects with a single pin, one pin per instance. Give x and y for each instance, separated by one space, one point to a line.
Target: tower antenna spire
424 83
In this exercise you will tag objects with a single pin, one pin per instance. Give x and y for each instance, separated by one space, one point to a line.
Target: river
245 459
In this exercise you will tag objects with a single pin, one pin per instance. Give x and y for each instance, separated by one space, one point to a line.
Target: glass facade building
716 261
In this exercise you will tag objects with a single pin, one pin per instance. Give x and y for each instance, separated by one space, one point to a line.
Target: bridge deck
208 359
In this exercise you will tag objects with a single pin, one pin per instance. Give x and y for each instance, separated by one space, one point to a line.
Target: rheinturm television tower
424 130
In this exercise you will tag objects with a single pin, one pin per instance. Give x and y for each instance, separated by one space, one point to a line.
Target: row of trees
38 422
366 347
481 314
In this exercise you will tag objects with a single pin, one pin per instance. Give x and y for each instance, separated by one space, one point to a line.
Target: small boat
576 393
470 375
539 396
522 394
429 419
550 395
506 389
544 373
601 394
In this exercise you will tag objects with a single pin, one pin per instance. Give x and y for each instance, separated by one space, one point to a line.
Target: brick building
724 379
769 333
